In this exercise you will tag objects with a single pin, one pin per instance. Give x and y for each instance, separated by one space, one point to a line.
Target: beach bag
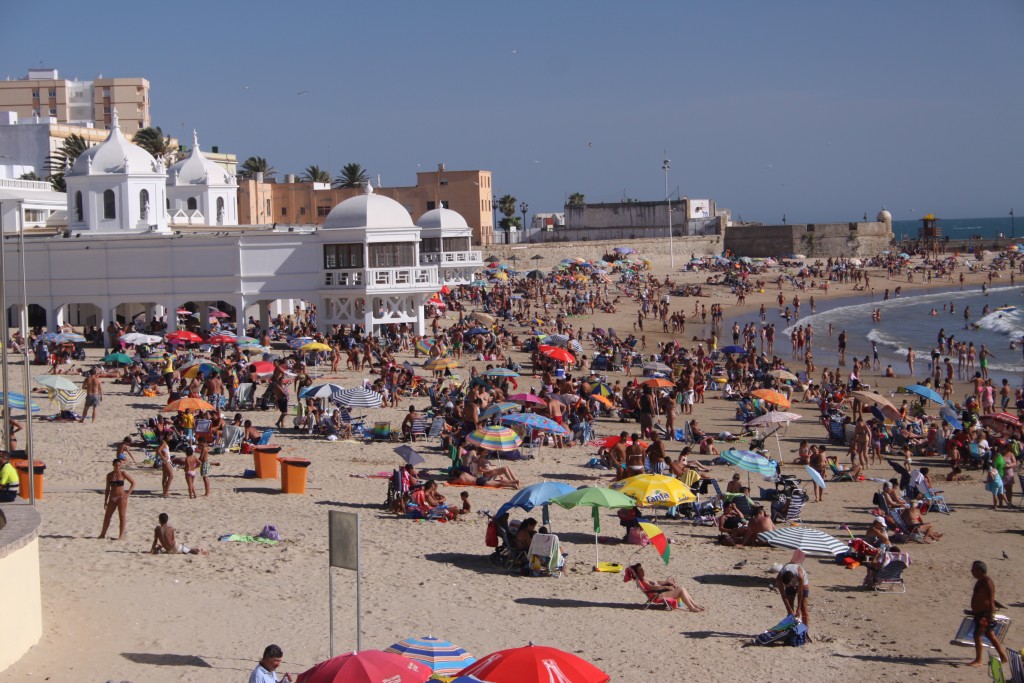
491 535
636 536
270 533
789 631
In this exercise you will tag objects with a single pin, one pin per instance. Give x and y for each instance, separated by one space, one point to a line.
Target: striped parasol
810 541
559 340
501 372
17 401
575 346
443 658
535 421
66 398
322 391
749 461
425 344
495 438
439 364
499 408
358 397
925 392
527 398
56 382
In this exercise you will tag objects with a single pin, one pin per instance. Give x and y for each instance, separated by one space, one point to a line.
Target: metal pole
359 593
330 604
3 347
668 198
28 367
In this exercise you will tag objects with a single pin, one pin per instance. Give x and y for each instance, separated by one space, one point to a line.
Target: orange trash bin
265 461
293 475
22 467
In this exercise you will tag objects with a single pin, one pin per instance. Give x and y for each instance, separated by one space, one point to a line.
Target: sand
114 612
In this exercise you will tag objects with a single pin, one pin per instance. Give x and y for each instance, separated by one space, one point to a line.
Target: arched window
220 211
78 206
143 204
192 204
109 205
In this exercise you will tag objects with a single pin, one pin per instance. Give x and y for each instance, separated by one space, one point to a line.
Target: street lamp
665 166
523 206
494 221
1013 227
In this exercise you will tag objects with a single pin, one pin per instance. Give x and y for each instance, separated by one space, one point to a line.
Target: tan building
296 203
43 94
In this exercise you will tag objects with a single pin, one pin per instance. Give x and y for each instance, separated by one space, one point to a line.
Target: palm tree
352 176
577 199
62 158
507 206
154 141
253 165
31 175
315 174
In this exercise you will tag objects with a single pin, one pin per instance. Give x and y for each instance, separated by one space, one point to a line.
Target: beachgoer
115 497
9 480
983 607
666 589
93 395
265 670
794 586
164 540
163 452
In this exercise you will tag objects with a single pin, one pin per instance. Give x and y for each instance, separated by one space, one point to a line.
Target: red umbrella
609 441
221 339
557 353
368 666
527 398
185 336
263 367
534 664
1005 418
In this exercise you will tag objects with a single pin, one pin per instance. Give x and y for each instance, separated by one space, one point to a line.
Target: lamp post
665 166
494 209
1013 227
523 207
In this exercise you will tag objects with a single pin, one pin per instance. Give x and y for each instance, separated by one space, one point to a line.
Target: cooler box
293 475
22 467
265 461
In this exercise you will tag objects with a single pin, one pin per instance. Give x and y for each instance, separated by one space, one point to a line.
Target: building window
284 210
266 211
143 204
456 244
35 94
444 183
53 93
106 92
395 255
78 206
106 110
192 204
322 211
302 211
220 211
430 245
343 256
53 111
109 205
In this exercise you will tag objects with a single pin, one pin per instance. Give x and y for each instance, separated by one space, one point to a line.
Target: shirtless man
555 409
93 395
617 456
760 522
983 607
164 540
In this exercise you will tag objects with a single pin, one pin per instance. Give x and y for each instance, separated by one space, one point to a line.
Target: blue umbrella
815 476
501 372
534 495
732 349
750 462
410 455
925 392
535 421
950 416
904 254
17 401
475 330
499 408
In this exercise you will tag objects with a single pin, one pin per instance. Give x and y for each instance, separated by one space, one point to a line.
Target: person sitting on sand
665 589
164 540
730 519
488 475
524 536
759 523
735 484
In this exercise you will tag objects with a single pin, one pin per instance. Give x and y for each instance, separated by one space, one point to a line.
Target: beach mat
472 486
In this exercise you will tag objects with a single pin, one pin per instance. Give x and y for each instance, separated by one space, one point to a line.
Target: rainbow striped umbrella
495 438
444 658
438 364
499 408
425 344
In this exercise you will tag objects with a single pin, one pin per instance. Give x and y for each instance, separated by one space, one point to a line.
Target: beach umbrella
56 382
601 389
473 331
534 664
440 364
657 538
624 250
409 454
784 375
262 367
657 367
68 338
655 490
216 313
368 666
204 369
492 259
321 391
950 416
555 353
315 346
750 462
603 400
527 398
558 340
501 372
903 254
535 275
424 345
809 541
443 658
495 438
595 498
117 358
609 441
658 383
535 421
499 408
184 337
17 401
183 404
733 349
874 398
575 346
500 276
65 398
773 418
480 316
140 338
770 396
925 392
1002 418
815 476
478 283
533 495
222 339
358 397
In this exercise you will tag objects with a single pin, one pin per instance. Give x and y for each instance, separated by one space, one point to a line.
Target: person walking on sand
983 607
93 395
115 497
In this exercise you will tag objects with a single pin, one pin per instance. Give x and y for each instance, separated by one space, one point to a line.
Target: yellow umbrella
655 490
500 276
315 346
440 364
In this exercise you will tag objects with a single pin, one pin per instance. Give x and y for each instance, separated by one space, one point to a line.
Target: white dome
883 216
442 218
112 155
196 169
368 211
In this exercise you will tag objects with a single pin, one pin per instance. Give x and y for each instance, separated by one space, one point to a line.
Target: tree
577 199
315 174
253 165
156 143
62 159
31 175
507 206
352 176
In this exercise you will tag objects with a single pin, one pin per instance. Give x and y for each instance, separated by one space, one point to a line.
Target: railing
380 278
25 184
452 257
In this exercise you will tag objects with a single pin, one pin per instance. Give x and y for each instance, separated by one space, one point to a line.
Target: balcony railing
452 257
381 278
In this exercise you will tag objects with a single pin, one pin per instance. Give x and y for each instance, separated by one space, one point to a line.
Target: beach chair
743 504
792 508
509 556
1011 672
418 428
265 437
203 431
231 438
889 579
150 439
436 428
244 396
545 555
398 494
837 473
381 431
1020 477
936 501
651 593
836 432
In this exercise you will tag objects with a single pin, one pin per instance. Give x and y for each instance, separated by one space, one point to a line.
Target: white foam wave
1010 323
883 339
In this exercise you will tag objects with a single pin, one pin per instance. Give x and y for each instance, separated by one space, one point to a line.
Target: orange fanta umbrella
773 397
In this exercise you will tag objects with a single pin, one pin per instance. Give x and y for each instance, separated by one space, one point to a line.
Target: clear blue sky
819 110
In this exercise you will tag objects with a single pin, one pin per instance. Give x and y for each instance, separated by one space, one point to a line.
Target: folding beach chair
418 428
936 501
149 437
836 432
244 396
838 474
381 431
545 555
651 593
203 431
889 579
231 438
436 428
790 509
265 437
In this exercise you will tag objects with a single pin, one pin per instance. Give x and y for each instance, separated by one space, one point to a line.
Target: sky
821 111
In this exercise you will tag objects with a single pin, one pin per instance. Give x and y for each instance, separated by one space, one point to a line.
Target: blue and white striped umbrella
358 398
749 461
810 541
925 392
444 658
321 391
498 408
17 401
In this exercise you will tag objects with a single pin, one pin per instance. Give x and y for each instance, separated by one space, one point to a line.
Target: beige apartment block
44 95
298 203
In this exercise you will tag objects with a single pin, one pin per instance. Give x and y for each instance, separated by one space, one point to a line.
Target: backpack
491 535
270 533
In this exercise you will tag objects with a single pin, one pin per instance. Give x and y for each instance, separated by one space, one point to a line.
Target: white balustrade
380 278
452 257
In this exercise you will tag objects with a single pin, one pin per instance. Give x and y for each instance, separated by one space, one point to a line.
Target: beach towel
545 554
244 538
472 486
790 631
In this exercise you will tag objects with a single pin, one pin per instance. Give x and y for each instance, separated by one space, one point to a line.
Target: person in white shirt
264 671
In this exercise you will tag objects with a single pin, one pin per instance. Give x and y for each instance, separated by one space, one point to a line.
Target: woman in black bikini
115 497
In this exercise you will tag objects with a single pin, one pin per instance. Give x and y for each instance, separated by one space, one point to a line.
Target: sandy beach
114 612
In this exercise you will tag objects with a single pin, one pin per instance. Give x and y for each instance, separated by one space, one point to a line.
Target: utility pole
668 199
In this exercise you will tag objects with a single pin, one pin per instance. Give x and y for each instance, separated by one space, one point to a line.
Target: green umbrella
595 498
118 358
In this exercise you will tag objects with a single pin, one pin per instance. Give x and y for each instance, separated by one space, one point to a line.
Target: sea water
907 322
964 228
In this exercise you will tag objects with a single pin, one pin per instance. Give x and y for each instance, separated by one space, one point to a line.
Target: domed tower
445 240
116 187
885 217
200 192
371 263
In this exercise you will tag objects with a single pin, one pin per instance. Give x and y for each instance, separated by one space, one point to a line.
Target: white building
447 238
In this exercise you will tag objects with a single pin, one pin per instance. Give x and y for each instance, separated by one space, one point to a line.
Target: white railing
16 183
451 257
381 278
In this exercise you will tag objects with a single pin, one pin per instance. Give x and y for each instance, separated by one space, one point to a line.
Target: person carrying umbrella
794 586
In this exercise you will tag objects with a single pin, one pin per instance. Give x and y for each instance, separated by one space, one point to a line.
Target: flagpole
23 320
359 594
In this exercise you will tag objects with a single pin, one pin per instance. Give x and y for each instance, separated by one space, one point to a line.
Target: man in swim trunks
93 395
164 540
983 607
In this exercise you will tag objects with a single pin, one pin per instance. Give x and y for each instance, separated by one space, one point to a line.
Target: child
466 507
191 467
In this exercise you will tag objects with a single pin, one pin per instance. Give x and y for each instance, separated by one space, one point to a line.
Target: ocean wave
889 342
1010 323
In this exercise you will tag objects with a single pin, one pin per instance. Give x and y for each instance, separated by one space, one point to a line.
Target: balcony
453 258
381 278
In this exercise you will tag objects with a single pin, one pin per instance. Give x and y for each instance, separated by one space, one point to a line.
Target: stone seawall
553 252
820 240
